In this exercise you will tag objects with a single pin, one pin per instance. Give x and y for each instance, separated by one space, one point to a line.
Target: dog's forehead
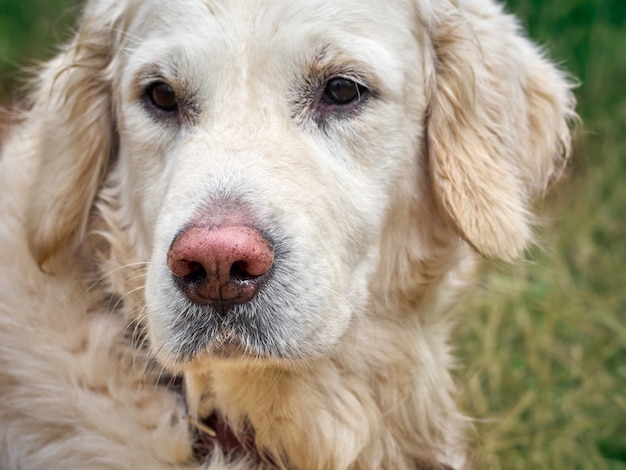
378 32
269 17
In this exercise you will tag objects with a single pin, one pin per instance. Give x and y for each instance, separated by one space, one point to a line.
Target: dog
232 231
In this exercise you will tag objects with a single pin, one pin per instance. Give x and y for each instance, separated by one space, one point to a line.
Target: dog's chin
230 351
223 346
225 351
228 346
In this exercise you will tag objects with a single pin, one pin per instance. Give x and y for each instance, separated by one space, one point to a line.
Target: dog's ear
498 126
72 119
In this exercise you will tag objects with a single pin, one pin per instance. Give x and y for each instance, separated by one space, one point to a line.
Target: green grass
30 30
542 345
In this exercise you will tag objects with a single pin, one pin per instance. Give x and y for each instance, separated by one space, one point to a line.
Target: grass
542 355
29 31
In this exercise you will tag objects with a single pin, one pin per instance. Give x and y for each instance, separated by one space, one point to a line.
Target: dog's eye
342 91
162 96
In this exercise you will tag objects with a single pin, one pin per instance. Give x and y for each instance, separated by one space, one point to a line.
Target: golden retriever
231 230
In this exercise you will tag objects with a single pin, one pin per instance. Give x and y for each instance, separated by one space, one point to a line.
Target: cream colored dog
276 200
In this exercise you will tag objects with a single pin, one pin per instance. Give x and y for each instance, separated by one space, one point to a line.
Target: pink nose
222 265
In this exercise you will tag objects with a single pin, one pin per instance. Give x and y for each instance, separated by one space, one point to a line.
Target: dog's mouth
277 324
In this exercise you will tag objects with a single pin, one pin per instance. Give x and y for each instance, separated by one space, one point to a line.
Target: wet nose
221 265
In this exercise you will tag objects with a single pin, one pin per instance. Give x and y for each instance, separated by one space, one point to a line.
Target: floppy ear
498 126
72 122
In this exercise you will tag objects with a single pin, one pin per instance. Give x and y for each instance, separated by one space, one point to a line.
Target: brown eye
162 96
342 91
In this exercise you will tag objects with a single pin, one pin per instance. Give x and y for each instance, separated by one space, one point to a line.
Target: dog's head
258 152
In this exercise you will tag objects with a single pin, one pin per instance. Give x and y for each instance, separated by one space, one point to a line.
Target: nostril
239 272
182 267
196 272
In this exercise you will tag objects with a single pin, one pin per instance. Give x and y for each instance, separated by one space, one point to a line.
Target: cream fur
382 210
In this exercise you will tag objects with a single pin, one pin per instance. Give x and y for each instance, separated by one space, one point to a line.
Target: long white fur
386 210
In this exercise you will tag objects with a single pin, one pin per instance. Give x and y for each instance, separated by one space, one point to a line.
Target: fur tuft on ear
498 129
72 111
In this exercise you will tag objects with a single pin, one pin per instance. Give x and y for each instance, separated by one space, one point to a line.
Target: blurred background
542 344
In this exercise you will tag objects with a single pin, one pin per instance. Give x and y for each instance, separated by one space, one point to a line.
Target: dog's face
278 129
256 154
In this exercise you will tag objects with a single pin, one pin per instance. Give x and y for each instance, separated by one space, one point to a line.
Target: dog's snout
221 265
